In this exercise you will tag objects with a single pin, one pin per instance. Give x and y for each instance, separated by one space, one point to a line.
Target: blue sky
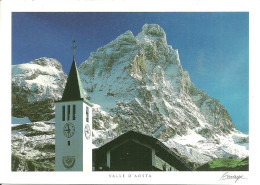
213 47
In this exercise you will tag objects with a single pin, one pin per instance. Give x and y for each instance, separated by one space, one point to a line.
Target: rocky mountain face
35 87
136 83
139 84
33 146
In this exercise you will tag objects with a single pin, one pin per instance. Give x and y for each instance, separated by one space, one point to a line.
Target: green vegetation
226 164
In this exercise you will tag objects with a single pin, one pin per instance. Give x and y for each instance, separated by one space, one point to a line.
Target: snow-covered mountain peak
36 84
140 85
152 33
126 37
137 83
44 61
153 30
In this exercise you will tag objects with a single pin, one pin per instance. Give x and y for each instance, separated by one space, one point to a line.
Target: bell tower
73 126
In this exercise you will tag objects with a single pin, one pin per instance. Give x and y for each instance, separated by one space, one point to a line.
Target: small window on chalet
68 143
63 113
68 113
74 112
87 114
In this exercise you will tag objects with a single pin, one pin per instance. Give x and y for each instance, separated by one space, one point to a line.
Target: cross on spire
73 48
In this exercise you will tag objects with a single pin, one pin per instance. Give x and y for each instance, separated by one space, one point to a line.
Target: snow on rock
34 141
136 83
40 126
35 86
139 84
201 150
43 76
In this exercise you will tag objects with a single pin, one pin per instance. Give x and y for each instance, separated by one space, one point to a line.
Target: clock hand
68 128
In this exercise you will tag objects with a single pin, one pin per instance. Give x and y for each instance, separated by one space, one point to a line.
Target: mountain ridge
138 83
35 87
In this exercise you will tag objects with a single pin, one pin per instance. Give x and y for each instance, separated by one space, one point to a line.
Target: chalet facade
134 151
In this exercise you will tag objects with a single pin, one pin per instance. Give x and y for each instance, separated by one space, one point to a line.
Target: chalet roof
161 150
73 89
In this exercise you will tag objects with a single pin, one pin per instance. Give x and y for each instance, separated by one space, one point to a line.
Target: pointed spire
73 48
73 89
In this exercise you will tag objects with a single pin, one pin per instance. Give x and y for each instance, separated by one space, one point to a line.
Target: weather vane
73 48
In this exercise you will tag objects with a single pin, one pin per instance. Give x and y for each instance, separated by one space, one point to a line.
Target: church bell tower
73 126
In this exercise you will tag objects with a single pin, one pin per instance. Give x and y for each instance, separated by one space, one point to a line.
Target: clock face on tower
68 130
87 131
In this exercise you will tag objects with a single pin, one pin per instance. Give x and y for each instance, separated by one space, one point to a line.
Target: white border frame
9 6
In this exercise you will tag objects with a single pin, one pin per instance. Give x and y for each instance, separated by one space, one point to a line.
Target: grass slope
225 164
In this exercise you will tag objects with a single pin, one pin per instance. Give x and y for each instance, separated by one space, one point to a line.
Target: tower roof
73 89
